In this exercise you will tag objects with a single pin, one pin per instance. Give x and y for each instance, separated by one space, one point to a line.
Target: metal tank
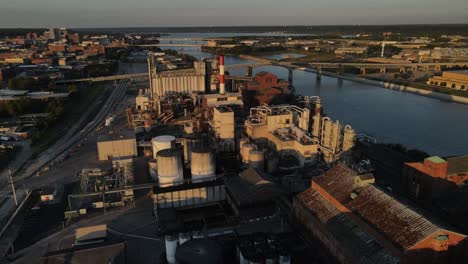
203 164
190 142
162 142
170 168
245 152
257 159
171 247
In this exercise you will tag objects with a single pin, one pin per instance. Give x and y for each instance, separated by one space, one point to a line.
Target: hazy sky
164 13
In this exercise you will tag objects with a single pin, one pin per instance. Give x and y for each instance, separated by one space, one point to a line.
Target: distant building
360 223
265 87
455 79
351 50
425 181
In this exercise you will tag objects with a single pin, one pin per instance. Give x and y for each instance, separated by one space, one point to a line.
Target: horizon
211 13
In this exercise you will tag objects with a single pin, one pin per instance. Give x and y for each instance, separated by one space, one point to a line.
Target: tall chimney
222 86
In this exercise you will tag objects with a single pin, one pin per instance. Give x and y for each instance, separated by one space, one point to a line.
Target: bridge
167 45
313 66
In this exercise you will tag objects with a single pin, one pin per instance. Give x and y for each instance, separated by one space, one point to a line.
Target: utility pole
12 187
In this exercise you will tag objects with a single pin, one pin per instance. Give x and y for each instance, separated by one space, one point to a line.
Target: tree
18 107
22 83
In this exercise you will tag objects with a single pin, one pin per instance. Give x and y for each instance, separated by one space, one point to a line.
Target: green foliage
106 69
376 50
411 154
18 107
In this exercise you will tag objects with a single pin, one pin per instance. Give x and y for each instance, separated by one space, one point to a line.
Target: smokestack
222 86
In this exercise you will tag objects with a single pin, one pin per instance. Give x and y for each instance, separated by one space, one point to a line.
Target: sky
182 13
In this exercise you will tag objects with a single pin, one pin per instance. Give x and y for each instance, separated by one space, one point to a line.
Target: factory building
265 87
251 195
425 181
222 125
360 223
116 145
286 128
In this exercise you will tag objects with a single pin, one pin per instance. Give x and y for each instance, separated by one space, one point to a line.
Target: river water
435 126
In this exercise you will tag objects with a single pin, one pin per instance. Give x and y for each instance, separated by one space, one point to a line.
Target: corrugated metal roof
397 222
354 239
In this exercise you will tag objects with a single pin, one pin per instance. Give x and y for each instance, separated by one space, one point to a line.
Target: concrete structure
213 100
116 145
162 142
170 168
222 126
425 181
359 223
455 79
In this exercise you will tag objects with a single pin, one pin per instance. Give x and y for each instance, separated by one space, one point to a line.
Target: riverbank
383 84
395 87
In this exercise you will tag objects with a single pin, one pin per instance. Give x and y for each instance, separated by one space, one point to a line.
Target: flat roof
457 164
436 159
121 135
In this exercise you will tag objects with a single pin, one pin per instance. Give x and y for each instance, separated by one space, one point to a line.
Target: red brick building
57 47
266 86
426 181
360 223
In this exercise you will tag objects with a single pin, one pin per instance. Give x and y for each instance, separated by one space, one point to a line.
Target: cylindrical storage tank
170 168
190 142
349 138
171 247
183 237
245 152
162 142
203 163
257 159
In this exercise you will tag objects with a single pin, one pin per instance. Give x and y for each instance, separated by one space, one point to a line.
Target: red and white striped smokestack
222 85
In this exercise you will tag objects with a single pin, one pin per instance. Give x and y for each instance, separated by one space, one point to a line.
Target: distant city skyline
184 13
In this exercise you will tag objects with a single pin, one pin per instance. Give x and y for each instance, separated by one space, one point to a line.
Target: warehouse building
360 223
116 145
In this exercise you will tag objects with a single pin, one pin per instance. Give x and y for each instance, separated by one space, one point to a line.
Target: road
63 146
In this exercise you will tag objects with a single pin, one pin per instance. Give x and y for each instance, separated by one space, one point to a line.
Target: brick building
425 181
265 87
360 223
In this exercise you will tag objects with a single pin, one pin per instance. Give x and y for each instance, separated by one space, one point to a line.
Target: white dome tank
170 170
257 159
162 142
203 163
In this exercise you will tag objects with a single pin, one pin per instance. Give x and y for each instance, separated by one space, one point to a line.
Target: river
435 126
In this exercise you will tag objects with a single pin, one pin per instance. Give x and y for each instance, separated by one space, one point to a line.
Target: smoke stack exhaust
222 85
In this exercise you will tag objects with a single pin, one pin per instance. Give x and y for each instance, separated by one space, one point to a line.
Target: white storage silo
170 169
162 142
257 159
202 164
171 246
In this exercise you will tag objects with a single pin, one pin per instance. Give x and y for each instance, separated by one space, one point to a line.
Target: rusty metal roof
354 239
397 222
